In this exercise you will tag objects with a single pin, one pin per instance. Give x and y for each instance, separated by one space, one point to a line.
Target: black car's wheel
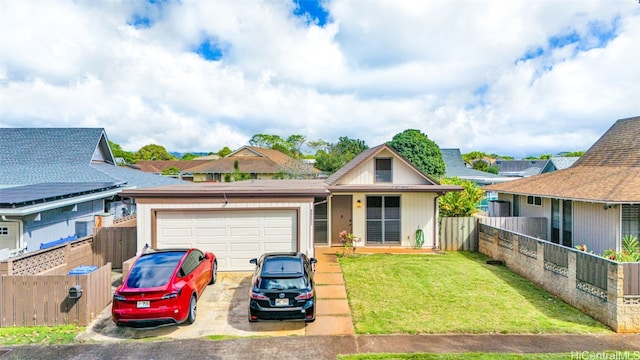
192 310
214 273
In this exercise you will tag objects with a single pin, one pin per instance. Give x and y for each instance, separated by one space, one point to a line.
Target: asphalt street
328 347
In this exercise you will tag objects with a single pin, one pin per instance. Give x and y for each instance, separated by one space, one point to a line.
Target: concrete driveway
222 310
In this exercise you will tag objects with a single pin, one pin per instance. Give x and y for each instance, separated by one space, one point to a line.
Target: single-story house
379 197
57 183
182 168
595 201
258 163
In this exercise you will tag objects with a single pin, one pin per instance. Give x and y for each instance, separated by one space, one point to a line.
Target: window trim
534 200
375 168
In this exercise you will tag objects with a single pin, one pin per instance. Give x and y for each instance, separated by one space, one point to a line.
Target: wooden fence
34 287
531 226
631 279
30 300
115 245
459 234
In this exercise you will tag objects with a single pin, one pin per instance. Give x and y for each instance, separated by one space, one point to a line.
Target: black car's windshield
282 265
282 283
154 270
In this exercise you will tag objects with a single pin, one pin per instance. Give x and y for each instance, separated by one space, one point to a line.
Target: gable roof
157 166
263 161
370 154
45 160
520 168
608 172
455 167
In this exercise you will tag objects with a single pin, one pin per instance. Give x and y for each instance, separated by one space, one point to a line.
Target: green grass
452 293
39 335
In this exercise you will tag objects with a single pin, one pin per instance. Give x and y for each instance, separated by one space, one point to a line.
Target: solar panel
38 193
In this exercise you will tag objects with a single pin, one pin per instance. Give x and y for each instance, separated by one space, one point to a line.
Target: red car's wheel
214 273
192 310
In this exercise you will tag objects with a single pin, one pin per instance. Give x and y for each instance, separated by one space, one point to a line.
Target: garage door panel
244 247
176 232
244 231
235 236
271 247
211 231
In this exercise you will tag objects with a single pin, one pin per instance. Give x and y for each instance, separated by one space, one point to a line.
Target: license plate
282 302
143 304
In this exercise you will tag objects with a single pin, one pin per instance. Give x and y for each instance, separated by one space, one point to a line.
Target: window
631 220
562 222
320 222
534 200
4 231
383 219
383 170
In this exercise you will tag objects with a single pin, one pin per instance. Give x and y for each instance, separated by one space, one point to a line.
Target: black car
282 288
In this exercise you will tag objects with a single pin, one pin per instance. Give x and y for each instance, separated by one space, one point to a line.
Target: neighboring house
56 183
595 201
259 163
520 168
559 163
379 197
166 167
456 167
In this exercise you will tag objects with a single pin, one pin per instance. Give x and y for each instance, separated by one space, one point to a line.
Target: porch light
358 203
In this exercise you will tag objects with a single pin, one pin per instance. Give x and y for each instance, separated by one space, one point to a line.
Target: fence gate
459 234
115 244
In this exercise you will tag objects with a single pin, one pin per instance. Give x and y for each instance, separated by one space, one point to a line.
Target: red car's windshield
154 270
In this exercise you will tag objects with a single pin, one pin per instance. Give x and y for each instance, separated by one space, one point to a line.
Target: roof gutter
33 209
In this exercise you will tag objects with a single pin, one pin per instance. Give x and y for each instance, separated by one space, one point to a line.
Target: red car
163 287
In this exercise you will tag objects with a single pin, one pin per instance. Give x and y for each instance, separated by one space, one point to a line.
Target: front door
341 217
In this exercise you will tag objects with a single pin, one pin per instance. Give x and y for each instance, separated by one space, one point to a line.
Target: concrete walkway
333 315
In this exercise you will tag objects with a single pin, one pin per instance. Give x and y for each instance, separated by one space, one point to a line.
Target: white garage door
235 236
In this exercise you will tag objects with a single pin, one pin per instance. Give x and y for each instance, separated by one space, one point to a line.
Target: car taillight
258 296
119 297
172 295
305 296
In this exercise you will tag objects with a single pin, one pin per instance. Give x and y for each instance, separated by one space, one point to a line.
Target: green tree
572 154
118 152
171 171
153 152
483 165
338 154
291 146
460 203
420 150
189 156
224 151
237 174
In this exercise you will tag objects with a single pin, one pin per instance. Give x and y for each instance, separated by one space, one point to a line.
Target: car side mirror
208 256
254 261
313 260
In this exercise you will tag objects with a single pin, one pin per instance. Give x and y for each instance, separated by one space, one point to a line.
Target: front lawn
39 335
452 293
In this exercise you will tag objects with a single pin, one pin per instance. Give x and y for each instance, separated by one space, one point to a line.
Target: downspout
436 217
20 225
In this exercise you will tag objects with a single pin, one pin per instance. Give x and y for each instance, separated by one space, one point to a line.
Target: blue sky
505 77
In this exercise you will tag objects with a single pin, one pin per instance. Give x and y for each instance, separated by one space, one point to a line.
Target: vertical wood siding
459 234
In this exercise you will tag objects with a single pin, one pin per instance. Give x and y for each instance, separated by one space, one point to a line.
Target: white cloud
455 70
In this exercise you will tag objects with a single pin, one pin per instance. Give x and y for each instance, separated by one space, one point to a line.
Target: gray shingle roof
30 156
456 167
